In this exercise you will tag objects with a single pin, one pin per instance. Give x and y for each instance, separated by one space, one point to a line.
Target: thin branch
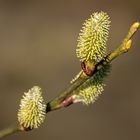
123 48
10 130
57 102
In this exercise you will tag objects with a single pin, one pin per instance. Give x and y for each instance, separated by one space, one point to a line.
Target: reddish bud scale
67 102
26 128
87 70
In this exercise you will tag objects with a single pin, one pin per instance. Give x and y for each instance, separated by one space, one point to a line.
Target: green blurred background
37 47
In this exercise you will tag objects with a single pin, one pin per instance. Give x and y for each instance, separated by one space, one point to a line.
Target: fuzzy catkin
32 109
93 37
93 87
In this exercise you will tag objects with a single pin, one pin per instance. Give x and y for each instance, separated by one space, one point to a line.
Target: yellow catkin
32 109
93 37
89 91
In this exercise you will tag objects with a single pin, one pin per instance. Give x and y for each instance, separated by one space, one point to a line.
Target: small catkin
92 88
93 37
32 109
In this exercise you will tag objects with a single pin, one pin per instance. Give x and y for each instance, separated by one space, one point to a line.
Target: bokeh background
37 47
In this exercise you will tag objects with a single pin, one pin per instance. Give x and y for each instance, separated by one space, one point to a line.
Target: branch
10 130
64 99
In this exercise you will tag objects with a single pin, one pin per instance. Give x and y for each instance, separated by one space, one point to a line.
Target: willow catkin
91 49
32 109
93 37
